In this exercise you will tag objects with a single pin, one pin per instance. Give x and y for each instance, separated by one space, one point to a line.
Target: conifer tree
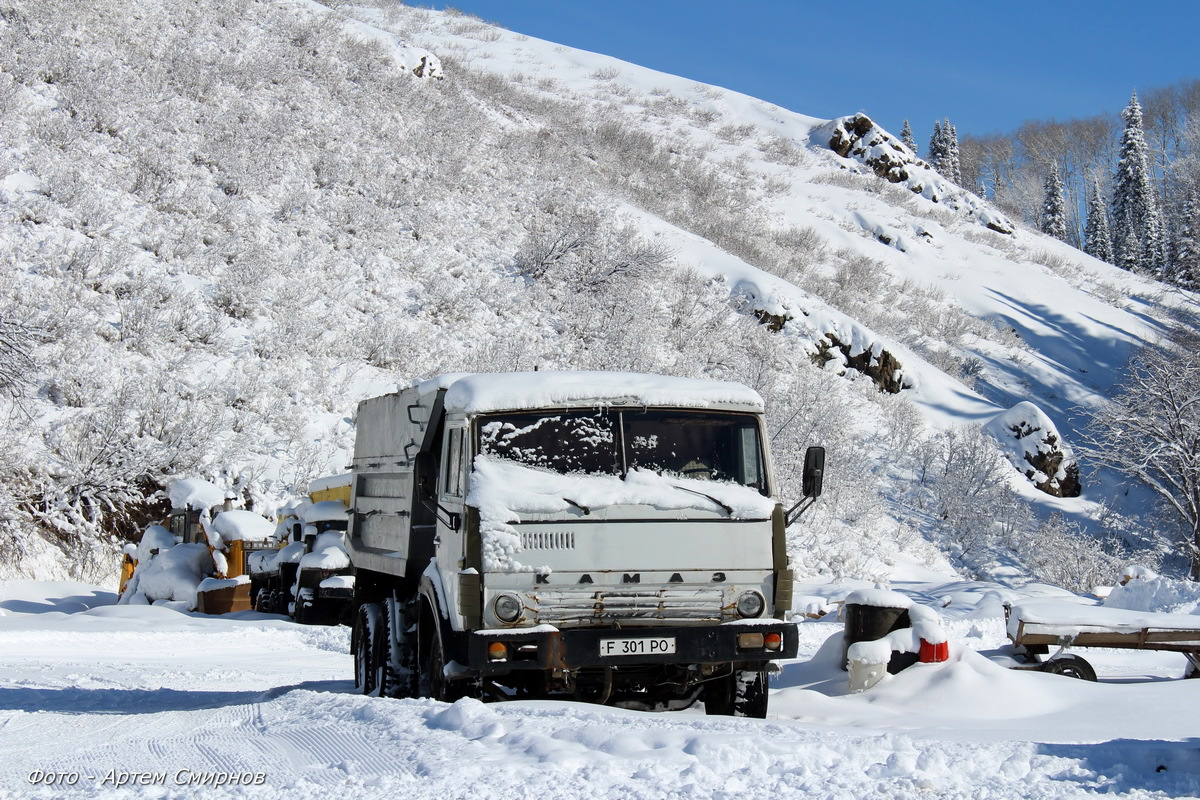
1097 241
906 136
1137 225
1185 271
943 150
953 168
937 147
1053 218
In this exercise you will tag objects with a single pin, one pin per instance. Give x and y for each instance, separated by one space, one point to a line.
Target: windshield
688 444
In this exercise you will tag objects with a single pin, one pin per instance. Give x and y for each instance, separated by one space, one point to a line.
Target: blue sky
985 66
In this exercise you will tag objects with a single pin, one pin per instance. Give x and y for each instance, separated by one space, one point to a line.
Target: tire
717 695
1071 667
750 697
740 694
362 644
391 653
431 674
436 684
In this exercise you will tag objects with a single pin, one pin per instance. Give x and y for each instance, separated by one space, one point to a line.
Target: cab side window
452 479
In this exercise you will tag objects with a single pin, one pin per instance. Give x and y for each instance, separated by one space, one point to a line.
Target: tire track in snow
330 742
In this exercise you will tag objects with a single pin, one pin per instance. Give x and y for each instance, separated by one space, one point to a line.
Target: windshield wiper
728 509
582 508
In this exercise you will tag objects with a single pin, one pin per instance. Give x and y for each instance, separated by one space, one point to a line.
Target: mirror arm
793 513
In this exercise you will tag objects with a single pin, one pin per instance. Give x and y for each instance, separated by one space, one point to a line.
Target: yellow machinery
186 526
128 565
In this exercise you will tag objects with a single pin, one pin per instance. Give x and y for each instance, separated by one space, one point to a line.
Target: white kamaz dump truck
612 537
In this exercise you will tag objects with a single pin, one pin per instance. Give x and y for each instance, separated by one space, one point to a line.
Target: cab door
451 517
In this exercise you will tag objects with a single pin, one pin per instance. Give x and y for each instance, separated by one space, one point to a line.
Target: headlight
751 604
508 607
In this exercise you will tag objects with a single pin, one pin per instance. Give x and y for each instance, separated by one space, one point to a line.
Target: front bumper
548 648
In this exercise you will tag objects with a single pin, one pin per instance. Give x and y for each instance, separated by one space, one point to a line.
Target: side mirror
814 472
811 483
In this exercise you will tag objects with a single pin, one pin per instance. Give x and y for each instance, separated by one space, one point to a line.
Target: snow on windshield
503 491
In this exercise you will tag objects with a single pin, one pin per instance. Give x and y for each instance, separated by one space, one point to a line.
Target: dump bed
395 471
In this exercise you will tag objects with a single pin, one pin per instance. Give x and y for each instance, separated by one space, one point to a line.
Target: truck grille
645 606
547 540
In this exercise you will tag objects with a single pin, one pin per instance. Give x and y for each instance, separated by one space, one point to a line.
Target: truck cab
612 537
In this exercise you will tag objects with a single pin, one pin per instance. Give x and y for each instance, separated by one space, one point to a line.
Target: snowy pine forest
1124 189
223 224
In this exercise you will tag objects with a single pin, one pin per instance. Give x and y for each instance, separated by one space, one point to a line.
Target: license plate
642 646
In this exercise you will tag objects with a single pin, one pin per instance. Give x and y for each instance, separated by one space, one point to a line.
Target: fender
431 601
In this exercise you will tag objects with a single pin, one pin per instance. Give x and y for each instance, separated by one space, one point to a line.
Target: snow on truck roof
474 393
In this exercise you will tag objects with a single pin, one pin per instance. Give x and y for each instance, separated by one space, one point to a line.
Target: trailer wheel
362 643
743 693
1070 666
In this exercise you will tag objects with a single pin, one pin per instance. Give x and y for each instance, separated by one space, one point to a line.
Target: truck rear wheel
743 693
362 643
392 654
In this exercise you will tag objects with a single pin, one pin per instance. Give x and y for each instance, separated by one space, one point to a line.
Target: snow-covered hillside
230 222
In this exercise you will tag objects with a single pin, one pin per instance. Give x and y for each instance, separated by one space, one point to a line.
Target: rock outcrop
1034 446
859 139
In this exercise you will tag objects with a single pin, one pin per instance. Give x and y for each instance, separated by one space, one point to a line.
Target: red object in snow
934 653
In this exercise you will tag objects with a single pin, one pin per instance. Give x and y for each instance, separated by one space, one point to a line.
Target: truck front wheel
742 693
432 680
433 672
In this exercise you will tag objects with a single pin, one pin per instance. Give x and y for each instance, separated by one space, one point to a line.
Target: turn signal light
750 641
498 651
773 641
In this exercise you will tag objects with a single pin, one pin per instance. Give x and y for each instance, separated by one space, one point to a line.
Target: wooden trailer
1037 625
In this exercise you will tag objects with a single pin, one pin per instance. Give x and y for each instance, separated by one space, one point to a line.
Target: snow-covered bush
16 361
1150 432
1062 553
962 490
1151 592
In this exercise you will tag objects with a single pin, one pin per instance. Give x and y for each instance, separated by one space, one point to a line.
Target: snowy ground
98 693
